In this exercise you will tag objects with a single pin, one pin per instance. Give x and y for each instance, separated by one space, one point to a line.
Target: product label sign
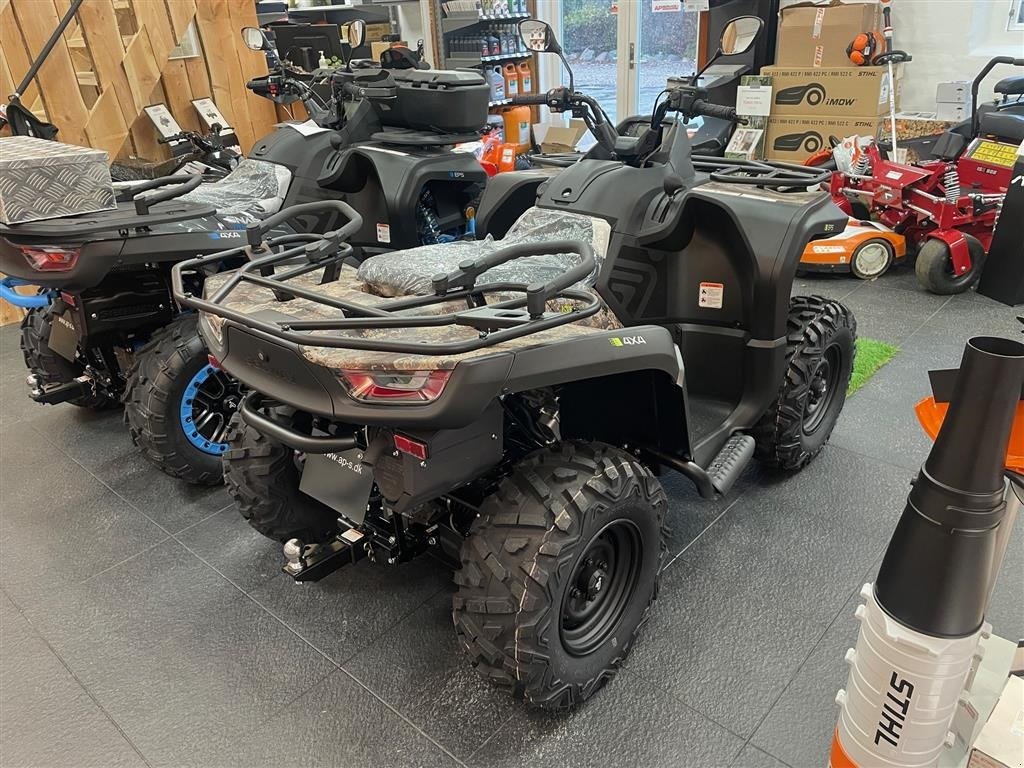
695 6
709 295
666 6
754 100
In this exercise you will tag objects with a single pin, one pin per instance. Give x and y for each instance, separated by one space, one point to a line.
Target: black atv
514 413
104 326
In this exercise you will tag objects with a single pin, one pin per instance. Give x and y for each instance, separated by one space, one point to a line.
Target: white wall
951 40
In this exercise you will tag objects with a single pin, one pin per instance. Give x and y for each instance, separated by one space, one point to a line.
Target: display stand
1003 276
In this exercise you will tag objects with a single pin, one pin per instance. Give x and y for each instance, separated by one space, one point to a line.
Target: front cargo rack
276 261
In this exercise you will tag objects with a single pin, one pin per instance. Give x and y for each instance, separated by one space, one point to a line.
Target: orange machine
865 248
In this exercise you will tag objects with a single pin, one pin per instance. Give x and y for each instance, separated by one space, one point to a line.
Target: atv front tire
262 477
177 405
50 367
820 342
934 266
559 572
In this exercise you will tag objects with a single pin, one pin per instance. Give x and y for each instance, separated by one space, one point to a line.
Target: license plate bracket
340 480
64 335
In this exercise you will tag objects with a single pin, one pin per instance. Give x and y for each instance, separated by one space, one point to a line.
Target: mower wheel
559 572
177 405
262 476
47 364
934 266
820 347
871 258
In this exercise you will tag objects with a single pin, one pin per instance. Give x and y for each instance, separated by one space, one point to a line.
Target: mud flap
339 480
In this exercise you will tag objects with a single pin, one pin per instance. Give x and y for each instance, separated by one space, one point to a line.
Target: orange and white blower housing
922 620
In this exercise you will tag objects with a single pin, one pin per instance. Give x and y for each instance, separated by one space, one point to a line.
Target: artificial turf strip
871 356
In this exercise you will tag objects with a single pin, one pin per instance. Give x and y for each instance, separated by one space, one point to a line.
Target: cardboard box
1001 741
794 138
813 35
840 91
555 138
47 179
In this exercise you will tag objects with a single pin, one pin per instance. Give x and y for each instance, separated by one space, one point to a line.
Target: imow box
794 138
46 179
838 92
813 35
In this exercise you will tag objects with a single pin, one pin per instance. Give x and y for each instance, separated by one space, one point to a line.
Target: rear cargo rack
275 262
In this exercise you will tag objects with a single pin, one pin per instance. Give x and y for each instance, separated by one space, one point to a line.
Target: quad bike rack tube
248 409
20 300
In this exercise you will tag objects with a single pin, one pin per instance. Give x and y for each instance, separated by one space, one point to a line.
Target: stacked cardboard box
817 91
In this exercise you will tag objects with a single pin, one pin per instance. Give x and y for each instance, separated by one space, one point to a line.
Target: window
1015 19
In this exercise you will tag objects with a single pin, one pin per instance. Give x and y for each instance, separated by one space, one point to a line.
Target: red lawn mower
945 208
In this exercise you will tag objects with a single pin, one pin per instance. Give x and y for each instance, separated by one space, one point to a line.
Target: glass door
589 31
663 44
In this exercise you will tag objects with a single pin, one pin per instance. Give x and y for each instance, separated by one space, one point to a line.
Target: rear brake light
47 259
399 387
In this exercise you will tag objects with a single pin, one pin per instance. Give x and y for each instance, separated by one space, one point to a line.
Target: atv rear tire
160 403
820 340
934 266
559 572
47 364
263 479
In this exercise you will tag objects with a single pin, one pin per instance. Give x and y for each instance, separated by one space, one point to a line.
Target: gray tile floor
143 623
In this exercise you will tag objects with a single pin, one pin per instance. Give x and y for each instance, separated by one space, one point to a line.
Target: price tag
754 100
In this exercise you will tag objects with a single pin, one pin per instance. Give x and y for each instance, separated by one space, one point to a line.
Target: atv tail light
46 259
399 387
411 447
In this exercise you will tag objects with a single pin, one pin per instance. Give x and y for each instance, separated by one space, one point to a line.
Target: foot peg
730 462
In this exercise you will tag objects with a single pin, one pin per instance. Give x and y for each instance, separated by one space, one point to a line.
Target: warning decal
383 233
710 295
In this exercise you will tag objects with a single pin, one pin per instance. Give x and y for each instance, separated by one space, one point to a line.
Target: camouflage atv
510 405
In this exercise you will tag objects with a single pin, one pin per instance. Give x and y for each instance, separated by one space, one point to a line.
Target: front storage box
444 101
42 179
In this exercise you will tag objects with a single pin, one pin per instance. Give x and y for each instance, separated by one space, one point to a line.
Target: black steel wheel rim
601 587
822 389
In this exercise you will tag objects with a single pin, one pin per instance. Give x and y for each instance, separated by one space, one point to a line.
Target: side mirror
255 39
739 35
355 33
538 36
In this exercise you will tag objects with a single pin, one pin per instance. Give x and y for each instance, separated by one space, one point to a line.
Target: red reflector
46 259
213 361
410 446
68 299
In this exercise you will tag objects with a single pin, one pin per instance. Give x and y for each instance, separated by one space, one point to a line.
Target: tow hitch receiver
58 393
312 562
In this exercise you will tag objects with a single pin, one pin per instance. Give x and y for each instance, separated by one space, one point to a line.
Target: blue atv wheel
178 405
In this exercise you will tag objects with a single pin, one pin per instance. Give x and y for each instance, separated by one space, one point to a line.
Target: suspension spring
951 183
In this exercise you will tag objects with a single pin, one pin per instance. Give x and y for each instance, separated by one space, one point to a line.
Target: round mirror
536 34
355 33
739 34
254 39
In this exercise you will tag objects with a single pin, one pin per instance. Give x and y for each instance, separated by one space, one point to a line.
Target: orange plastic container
511 80
525 77
517 126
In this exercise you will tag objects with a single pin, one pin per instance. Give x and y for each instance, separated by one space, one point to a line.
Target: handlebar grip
701 107
531 100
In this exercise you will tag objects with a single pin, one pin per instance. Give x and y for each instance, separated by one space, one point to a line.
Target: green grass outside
871 356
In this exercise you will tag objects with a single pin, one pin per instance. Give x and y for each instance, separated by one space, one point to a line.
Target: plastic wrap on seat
410 271
252 191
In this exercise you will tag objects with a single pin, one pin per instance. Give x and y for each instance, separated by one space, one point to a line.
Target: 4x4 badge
625 341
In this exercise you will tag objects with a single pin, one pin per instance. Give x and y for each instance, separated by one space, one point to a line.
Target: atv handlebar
707 109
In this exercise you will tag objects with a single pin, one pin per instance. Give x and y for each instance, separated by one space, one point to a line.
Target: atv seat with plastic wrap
252 191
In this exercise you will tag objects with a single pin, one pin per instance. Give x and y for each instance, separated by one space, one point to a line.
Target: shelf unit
449 25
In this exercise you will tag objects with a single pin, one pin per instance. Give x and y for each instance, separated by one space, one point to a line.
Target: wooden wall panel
119 55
